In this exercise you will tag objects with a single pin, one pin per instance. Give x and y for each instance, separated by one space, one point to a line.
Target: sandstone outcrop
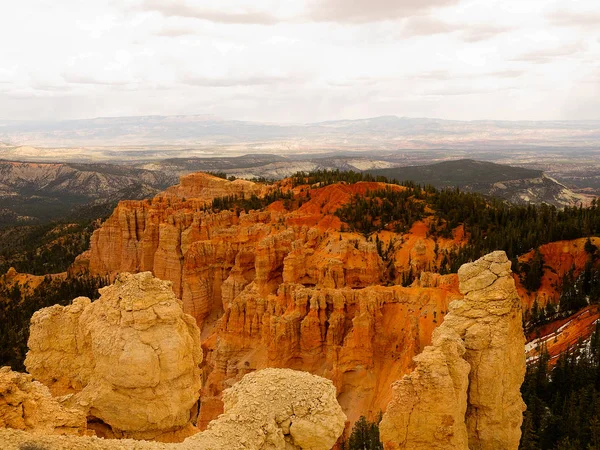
28 405
205 186
286 274
130 358
435 406
278 409
267 410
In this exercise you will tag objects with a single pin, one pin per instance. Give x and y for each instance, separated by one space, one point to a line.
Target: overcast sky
300 61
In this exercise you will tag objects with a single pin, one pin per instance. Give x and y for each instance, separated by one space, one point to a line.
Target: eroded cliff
284 286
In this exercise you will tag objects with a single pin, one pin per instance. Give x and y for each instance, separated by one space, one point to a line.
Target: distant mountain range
462 172
157 137
33 192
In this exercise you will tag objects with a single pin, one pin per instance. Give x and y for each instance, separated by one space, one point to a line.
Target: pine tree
365 435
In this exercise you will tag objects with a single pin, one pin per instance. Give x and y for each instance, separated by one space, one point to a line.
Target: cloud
465 91
482 32
505 73
357 81
50 87
427 76
550 54
363 11
574 19
176 32
434 75
430 26
427 26
255 80
177 8
77 78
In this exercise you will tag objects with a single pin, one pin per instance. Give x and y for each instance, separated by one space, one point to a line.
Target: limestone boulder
131 357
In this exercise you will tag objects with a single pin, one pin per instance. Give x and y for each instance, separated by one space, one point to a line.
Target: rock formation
362 339
285 274
204 186
465 390
559 258
278 409
131 357
28 405
267 410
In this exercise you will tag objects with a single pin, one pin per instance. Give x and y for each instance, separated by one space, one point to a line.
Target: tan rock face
272 409
28 405
278 409
482 337
131 357
495 350
205 186
428 408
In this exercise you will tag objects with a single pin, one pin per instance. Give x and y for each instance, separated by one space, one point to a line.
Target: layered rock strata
465 390
131 357
267 410
361 339
287 275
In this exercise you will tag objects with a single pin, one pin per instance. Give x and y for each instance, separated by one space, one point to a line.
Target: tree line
563 402
19 302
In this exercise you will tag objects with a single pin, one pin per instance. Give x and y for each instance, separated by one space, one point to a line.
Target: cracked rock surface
267 410
28 405
465 390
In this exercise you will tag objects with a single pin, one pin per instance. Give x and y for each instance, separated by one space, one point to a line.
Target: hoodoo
131 357
465 390
283 286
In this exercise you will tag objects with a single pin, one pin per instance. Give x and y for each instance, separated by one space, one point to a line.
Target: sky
300 61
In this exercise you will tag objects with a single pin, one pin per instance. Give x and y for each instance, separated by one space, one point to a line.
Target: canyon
260 276
126 366
283 287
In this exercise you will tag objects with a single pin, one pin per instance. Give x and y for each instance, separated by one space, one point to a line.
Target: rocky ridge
465 390
32 192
